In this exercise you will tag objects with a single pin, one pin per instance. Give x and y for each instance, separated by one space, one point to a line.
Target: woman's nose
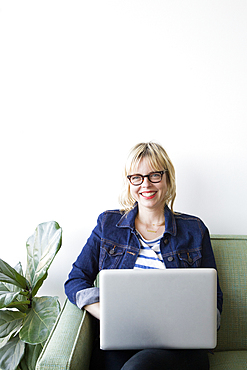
146 182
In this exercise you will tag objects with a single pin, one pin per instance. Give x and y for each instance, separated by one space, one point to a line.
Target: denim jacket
114 244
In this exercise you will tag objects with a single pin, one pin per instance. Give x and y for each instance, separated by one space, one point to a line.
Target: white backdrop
81 82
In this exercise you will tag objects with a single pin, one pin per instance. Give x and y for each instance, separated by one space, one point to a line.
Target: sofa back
231 258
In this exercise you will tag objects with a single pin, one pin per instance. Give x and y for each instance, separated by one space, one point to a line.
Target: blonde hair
158 160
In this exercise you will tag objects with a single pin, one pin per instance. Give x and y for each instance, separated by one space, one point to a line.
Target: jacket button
166 241
170 259
111 251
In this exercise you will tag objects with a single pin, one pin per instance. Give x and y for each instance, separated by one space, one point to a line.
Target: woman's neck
150 224
151 217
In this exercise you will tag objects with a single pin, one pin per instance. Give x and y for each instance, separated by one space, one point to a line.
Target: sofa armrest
69 345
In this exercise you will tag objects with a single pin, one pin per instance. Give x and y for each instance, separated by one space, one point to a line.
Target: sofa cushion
226 360
230 254
70 342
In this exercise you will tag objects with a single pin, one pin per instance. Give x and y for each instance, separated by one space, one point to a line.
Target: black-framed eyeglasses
154 177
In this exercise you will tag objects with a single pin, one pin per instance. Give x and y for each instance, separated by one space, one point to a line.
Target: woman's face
149 195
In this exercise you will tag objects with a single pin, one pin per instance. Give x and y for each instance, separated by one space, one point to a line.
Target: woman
145 234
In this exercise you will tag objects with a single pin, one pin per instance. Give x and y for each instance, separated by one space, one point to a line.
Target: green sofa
69 344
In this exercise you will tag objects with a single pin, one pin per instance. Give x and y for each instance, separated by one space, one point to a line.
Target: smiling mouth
149 194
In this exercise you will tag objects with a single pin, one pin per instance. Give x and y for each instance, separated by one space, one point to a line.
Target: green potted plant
26 320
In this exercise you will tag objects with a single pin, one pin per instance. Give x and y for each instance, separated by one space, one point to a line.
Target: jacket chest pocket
190 258
110 256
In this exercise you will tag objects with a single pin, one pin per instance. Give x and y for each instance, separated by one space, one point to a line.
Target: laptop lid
171 308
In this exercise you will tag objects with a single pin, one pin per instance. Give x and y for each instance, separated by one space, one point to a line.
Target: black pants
149 359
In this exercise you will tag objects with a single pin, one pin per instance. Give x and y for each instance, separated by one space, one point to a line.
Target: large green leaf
40 320
10 323
9 275
18 268
31 356
42 247
6 297
11 354
10 294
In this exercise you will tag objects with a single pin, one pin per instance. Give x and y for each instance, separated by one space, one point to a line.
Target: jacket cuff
87 296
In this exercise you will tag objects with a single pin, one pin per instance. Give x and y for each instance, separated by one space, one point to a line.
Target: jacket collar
128 220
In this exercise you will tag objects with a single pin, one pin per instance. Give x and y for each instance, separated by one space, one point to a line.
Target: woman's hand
93 309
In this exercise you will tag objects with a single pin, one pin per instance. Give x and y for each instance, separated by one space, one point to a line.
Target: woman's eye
154 175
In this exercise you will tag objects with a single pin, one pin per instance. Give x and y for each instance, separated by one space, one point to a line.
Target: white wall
81 82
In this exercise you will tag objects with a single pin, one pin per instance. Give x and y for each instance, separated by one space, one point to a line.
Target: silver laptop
171 308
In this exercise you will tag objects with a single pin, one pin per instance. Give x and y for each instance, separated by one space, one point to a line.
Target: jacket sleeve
79 287
208 260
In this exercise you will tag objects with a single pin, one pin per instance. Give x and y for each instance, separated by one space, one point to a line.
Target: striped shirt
150 255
